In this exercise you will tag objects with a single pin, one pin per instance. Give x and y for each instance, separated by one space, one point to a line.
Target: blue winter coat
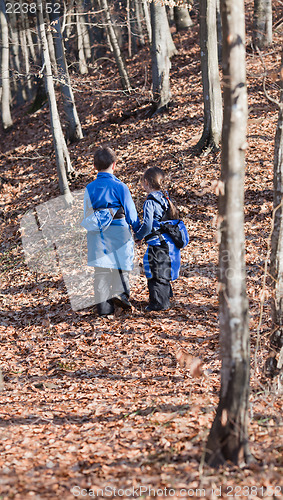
153 210
114 247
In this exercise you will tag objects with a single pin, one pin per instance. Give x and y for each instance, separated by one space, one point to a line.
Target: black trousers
159 285
107 283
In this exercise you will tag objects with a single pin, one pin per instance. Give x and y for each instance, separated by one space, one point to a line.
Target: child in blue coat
110 248
162 259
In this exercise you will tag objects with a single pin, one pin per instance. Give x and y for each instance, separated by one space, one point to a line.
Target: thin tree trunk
82 60
15 56
51 50
74 126
5 75
160 57
276 258
57 133
147 19
138 22
128 10
228 438
116 49
262 30
210 77
30 44
24 48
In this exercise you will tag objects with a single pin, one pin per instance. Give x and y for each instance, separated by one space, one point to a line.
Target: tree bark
5 74
82 59
262 30
74 126
147 19
116 49
276 257
15 58
57 133
182 17
228 438
212 98
25 54
160 57
138 22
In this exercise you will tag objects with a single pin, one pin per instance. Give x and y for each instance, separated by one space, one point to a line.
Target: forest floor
103 403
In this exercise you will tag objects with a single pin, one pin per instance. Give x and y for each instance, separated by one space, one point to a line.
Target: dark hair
155 179
104 157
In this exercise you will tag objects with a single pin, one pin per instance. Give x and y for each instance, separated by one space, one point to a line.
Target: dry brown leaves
128 401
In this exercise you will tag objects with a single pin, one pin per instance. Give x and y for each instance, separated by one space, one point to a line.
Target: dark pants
159 286
107 283
159 294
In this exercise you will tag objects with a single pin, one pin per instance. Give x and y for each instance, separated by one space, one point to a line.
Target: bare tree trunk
24 49
116 49
262 30
276 258
210 77
172 51
74 126
182 17
57 133
147 19
129 30
82 60
51 50
5 75
15 56
228 438
138 22
160 57
30 44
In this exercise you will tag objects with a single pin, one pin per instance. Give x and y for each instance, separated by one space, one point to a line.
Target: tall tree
74 126
61 152
115 45
228 438
262 29
276 257
160 56
5 73
212 98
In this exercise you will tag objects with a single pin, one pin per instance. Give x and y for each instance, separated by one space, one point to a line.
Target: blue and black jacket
162 259
114 248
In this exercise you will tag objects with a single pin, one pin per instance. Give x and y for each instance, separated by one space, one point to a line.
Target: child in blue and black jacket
162 259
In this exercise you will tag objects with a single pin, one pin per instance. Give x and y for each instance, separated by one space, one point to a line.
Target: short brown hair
104 157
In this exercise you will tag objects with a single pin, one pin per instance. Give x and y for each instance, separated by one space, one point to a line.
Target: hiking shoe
122 301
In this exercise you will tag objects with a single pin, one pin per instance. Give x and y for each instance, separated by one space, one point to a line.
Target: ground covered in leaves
91 404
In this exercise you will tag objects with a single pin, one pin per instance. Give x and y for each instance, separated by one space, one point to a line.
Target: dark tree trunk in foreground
160 57
5 75
262 30
61 151
212 99
276 258
228 438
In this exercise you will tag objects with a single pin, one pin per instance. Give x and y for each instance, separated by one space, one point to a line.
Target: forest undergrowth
91 402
